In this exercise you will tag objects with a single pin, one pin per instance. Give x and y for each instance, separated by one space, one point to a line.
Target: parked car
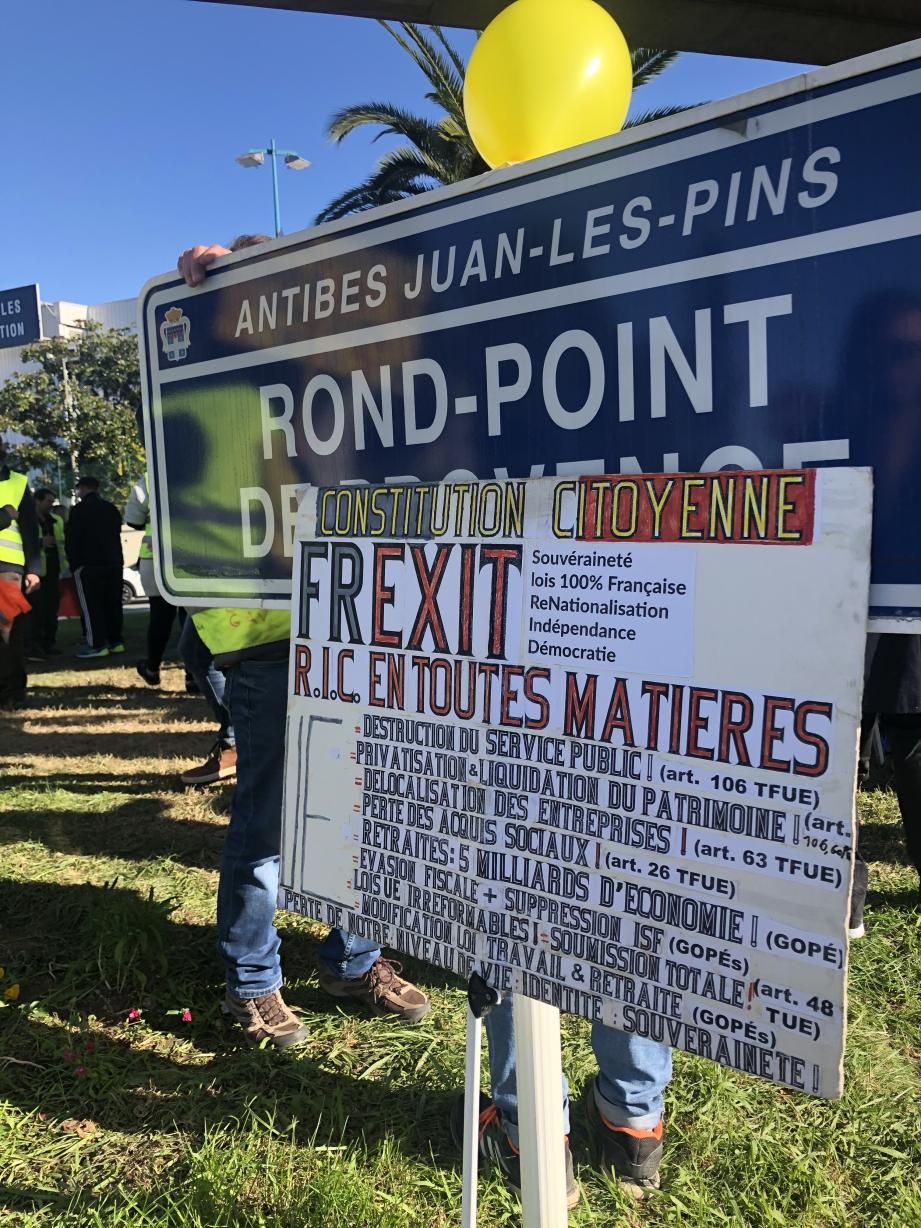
132 589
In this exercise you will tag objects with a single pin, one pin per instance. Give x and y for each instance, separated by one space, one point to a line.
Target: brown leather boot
382 989
266 1018
221 764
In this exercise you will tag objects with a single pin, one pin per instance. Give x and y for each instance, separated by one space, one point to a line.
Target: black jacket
93 536
27 520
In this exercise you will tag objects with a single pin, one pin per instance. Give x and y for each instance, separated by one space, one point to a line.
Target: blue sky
123 117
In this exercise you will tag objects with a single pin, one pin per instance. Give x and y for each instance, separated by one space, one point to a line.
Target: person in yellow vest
162 614
20 564
251 647
42 624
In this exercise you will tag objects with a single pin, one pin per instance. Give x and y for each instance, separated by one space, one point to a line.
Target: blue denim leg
346 955
633 1074
500 1032
197 658
256 695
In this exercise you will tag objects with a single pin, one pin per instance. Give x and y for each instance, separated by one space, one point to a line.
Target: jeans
256 695
633 1074
199 662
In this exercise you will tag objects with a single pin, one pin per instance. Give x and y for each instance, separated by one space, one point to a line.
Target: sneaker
88 651
381 989
117 649
632 1156
150 676
221 764
498 1150
36 655
266 1018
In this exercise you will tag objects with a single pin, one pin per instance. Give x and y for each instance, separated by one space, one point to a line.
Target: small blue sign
20 316
738 287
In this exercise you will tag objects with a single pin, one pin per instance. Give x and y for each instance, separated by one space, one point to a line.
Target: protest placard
594 738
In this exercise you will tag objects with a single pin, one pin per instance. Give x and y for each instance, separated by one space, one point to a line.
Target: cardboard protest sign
594 738
736 286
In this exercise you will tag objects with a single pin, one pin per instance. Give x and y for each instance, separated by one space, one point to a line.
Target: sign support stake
471 1118
540 1113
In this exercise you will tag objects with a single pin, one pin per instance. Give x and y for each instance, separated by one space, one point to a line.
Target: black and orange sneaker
497 1149
632 1156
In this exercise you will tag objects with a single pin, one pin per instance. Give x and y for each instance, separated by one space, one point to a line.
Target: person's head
242 241
87 486
44 500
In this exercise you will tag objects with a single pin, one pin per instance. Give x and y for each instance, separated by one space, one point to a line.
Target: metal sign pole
540 1113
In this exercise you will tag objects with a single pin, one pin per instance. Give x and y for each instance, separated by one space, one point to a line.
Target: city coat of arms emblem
174 334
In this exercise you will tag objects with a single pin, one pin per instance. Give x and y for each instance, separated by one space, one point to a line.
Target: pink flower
80 1070
89 1047
68 1055
133 1014
187 1016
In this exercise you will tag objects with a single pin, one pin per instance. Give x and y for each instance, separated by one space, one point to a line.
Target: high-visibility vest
57 529
233 629
146 547
11 491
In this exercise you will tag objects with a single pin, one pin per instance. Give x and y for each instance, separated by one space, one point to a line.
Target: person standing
221 762
251 647
162 614
892 696
20 564
94 551
42 626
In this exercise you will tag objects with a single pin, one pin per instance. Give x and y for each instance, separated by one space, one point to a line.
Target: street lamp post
293 161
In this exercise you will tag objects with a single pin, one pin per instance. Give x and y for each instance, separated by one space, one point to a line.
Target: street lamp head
255 157
294 162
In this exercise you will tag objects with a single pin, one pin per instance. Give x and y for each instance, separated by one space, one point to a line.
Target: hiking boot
632 1156
88 651
381 989
497 1149
221 764
150 676
266 1018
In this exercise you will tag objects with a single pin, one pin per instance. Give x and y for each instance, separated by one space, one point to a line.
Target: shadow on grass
135 830
908 899
883 842
126 1081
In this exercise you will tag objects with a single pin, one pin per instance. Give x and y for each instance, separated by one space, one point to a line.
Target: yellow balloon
546 75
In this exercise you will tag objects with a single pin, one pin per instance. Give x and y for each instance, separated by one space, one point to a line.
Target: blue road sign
736 287
20 316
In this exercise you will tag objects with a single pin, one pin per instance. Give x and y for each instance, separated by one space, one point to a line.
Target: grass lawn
107 888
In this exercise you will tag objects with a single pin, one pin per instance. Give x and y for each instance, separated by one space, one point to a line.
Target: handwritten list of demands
595 739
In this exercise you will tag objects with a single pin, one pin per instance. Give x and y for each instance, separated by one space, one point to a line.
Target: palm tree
440 150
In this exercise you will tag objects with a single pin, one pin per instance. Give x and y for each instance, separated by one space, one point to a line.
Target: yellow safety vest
57 528
146 549
233 629
11 491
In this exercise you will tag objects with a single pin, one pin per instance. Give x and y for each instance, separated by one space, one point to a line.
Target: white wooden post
540 1113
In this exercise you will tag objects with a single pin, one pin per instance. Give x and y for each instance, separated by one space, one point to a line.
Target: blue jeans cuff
619 1116
248 993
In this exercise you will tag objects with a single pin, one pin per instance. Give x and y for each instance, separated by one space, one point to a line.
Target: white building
59 320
